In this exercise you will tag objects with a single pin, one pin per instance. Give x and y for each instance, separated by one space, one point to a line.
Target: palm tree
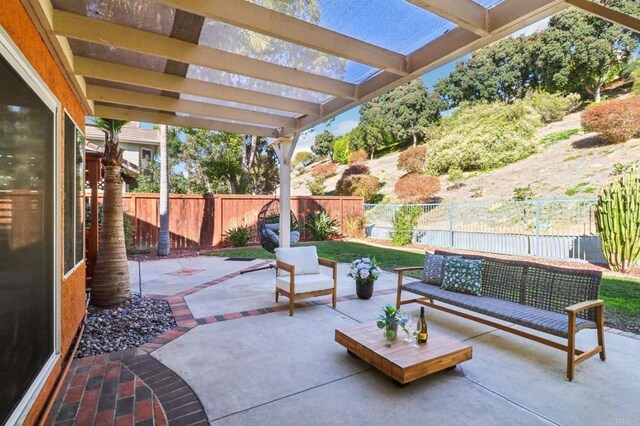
110 285
164 242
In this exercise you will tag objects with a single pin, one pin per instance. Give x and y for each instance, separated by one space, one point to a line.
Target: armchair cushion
305 259
306 283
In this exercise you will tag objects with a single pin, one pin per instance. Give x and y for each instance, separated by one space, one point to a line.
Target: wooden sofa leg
399 294
277 296
334 298
571 346
600 328
291 302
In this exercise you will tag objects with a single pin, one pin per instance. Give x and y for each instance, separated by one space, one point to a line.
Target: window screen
26 236
73 195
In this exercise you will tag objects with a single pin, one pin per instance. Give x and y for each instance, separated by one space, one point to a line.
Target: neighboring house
140 142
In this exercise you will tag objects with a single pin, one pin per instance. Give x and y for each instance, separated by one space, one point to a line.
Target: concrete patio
272 368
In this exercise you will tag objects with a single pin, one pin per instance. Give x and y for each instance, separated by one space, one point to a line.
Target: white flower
364 273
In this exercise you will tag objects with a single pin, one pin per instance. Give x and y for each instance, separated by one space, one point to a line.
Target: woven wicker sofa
555 300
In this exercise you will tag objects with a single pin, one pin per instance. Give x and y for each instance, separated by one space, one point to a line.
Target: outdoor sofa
555 300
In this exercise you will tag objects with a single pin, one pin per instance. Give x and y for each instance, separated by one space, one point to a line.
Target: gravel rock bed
128 326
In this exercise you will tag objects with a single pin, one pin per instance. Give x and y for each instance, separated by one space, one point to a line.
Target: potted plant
389 320
365 272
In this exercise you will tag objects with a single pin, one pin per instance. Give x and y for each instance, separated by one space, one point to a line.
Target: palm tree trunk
111 285
163 239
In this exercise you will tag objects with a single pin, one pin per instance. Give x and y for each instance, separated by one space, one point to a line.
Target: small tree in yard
618 222
617 121
415 189
110 284
414 159
404 222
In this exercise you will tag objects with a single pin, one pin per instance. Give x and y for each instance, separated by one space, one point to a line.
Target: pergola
265 67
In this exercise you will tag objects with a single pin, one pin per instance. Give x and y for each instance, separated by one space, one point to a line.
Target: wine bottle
423 334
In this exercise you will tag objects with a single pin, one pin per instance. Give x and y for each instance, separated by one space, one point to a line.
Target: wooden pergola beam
465 13
441 51
109 71
115 35
165 103
119 113
607 13
41 13
244 14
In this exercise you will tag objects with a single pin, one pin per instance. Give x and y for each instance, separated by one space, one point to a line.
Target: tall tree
407 111
370 135
580 52
323 144
110 284
164 242
498 72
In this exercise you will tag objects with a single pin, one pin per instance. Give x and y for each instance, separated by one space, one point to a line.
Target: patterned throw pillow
463 275
434 268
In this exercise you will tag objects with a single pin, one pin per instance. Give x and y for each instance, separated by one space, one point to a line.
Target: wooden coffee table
402 362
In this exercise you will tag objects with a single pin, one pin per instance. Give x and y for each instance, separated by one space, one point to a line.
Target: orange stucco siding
17 23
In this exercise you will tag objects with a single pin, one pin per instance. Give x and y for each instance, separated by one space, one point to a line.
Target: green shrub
404 222
415 189
483 137
238 236
341 150
359 156
617 121
556 137
582 187
321 226
551 107
302 157
316 186
523 193
413 160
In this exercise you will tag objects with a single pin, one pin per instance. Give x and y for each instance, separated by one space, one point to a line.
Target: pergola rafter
477 27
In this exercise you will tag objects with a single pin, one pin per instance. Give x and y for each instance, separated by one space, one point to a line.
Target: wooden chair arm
286 267
584 305
408 268
327 262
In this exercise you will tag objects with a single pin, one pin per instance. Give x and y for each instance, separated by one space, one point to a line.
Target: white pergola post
284 148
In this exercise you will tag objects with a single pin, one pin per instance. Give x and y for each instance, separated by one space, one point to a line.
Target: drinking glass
410 325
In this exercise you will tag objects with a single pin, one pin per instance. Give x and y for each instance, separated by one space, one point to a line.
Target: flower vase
364 288
390 334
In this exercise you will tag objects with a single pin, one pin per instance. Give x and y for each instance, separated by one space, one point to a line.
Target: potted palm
389 320
365 272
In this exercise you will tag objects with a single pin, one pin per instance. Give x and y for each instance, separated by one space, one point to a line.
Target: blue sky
348 120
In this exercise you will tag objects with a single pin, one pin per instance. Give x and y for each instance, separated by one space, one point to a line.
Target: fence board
200 221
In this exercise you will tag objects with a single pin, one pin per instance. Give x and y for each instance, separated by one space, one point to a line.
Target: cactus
618 222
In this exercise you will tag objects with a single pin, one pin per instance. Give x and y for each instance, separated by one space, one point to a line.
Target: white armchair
298 275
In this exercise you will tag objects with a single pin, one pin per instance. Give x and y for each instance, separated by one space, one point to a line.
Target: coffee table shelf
402 362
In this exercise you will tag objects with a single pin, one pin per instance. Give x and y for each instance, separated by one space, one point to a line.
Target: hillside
576 167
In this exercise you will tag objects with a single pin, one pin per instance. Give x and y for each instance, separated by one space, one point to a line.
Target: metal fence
560 229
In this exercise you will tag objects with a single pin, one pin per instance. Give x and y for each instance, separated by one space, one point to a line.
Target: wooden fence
200 221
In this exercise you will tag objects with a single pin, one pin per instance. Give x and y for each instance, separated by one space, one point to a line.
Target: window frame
142 149
10 52
77 262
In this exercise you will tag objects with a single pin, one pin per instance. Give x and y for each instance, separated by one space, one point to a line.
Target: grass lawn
621 295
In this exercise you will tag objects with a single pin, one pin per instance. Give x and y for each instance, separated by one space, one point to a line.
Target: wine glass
410 325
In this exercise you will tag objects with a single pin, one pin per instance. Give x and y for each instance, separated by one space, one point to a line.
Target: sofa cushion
463 275
306 283
539 319
305 259
433 272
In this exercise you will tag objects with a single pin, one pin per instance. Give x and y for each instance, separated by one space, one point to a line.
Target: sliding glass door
27 235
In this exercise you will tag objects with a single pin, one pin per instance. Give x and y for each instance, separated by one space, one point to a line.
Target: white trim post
284 148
